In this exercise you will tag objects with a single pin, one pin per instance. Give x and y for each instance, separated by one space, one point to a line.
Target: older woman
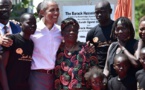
123 31
73 60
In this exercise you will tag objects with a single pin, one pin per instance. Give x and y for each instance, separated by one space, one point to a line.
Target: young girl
17 58
96 78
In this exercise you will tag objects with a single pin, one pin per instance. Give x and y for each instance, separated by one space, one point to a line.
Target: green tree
20 8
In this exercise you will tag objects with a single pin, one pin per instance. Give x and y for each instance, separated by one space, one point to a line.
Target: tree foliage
19 8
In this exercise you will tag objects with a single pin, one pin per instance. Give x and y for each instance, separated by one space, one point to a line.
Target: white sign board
85 16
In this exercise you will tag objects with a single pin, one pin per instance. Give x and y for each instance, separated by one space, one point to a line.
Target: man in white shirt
47 39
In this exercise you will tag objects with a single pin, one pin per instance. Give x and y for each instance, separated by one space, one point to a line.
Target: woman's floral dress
70 69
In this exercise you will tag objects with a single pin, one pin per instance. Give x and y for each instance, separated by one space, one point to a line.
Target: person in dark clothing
124 79
100 34
11 28
140 53
140 74
17 58
123 31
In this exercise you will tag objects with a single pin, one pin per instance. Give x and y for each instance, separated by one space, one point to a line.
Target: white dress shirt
2 30
46 44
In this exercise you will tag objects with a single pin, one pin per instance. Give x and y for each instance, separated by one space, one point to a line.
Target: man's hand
89 48
5 41
15 22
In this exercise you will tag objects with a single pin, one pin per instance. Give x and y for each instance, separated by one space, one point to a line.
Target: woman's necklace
69 50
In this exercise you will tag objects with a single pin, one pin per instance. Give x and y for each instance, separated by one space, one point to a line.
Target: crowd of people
46 56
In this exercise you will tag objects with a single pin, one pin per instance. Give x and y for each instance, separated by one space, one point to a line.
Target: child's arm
3 77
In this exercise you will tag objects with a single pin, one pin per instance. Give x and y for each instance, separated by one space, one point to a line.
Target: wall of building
80 2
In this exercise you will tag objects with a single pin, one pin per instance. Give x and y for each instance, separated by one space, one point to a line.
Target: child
17 58
124 81
96 78
140 75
